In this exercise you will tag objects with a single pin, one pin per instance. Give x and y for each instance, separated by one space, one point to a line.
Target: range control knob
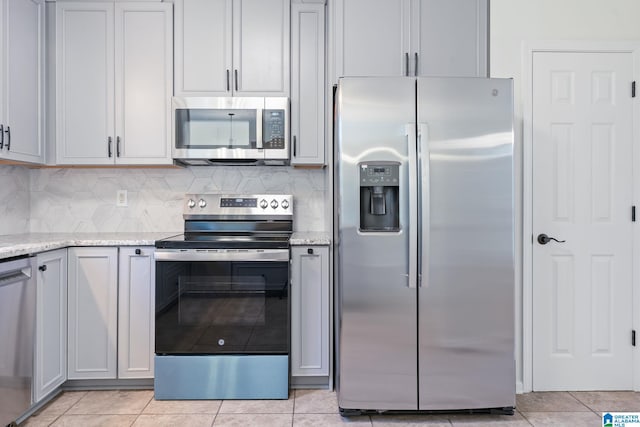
285 204
191 203
274 203
202 203
264 204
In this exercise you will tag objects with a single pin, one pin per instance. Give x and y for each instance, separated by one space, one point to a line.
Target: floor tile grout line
582 403
293 412
525 417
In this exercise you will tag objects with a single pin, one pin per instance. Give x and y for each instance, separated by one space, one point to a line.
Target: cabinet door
307 84
310 311
203 47
93 312
372 37
450 37
136 313
84 83
24 71
143 82
50 369
261 47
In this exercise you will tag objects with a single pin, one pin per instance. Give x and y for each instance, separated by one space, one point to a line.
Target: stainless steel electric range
222 300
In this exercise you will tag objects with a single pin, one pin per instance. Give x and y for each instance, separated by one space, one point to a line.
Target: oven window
222 307
210 129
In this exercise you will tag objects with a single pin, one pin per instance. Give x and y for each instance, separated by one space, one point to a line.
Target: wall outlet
121 198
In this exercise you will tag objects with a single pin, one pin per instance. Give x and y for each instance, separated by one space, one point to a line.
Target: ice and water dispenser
379 196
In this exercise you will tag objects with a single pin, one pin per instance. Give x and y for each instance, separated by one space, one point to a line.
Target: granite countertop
32 243
303 238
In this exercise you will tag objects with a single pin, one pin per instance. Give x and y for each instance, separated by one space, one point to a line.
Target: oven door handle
211 255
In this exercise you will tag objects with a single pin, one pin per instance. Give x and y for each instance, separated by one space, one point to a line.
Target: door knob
543 239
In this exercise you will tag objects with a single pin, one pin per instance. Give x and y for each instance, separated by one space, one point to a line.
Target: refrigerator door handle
413 205
424 203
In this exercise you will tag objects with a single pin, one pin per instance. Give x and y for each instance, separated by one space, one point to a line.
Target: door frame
567 46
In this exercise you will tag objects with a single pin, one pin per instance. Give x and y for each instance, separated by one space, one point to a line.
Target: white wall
515 22
14 199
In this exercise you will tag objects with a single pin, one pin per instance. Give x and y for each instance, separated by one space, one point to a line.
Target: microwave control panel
273 123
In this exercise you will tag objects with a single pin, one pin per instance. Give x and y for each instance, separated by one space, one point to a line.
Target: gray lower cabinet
310 312
93 313
136 313
111 307
50 369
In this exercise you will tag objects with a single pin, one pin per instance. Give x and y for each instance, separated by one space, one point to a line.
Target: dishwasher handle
15 276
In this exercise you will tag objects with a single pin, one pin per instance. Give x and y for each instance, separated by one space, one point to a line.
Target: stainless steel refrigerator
424 244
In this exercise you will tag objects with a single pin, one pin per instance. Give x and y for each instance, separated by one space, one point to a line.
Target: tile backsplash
84 200
14 199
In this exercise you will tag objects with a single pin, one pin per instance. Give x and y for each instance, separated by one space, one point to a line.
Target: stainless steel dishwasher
17 334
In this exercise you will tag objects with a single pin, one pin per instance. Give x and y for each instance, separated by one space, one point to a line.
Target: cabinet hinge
633 214
633 338
633 89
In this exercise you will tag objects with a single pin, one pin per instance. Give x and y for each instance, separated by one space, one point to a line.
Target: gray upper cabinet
307 84
449 38
232 47
113 83
21 80
410 38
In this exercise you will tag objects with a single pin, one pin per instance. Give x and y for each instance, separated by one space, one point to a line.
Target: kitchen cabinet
411 37
111 312
136 314
50 369
308 83
114 80
21 80
232 47
93 312
310 311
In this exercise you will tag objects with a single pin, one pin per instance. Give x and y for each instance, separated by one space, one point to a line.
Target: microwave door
212 129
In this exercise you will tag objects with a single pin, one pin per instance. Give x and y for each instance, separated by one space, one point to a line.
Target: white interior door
582 195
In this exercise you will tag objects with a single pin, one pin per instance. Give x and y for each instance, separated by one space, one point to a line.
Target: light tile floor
311 408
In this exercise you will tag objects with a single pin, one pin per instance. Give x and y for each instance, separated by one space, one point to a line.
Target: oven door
216 302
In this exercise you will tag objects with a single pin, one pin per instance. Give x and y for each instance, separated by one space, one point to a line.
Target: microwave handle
259 127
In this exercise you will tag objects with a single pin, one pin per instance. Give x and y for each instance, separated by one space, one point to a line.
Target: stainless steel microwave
230 130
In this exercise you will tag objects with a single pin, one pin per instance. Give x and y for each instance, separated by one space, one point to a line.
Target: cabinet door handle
43 267
117 146
1 137
138 251
310 251
8 132
406 63
415 70
235 75
295 146
109 140
228 87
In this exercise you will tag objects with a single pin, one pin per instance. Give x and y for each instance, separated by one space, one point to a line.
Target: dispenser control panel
379 174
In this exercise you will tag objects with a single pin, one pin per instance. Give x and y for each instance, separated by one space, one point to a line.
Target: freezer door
466 295
376 300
